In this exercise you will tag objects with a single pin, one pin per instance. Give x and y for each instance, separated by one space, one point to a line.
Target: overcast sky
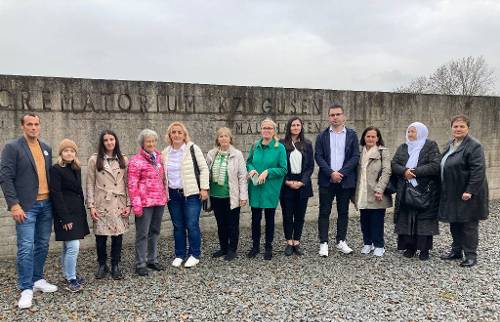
356 45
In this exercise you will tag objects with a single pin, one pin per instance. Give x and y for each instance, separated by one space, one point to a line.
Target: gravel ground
307 288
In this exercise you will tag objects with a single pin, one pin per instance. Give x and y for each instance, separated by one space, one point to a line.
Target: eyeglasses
268 128
336 114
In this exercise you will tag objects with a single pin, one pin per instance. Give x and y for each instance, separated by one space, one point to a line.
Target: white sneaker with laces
323 249
26 299
367 249
379 251
44 286
191 262
177 262
342 246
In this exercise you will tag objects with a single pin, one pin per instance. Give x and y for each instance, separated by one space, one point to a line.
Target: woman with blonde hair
228 191
70 217
186 173
267 167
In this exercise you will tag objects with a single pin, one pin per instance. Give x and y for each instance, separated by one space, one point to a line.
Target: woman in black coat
297 188
464 191
70 217
416 164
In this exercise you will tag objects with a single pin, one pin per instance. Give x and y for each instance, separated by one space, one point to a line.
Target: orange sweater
43 186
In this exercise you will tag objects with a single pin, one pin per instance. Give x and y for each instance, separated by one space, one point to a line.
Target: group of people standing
429 187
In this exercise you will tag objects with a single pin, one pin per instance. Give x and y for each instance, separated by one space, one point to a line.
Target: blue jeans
69 257
33 237
185 215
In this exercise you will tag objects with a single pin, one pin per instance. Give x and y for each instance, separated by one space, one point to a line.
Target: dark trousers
228 223
465 238
256 219
116 249
293 209
326 196
372 226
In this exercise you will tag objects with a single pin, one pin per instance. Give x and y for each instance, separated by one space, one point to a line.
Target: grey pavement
308 288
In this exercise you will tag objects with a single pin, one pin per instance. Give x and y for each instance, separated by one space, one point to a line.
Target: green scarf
219 167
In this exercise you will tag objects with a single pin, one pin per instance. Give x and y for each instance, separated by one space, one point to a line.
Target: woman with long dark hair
107 199
297 188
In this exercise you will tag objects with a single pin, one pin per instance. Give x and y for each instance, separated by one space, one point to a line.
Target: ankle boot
102 270
116 272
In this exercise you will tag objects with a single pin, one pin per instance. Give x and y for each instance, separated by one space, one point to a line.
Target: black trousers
326 196
372 226
116 249
256 219
228 223
293 209
465 238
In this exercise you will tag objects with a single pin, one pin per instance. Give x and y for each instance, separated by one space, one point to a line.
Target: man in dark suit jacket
24 177
337 155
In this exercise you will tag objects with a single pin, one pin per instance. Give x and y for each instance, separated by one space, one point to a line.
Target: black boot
409 253
424 255
116 272
268 254
102 270
253 252
452 255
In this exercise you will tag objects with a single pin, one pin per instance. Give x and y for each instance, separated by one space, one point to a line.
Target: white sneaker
25 300
342 246
44 286
191 262
367 249
177 262
323 249
379 251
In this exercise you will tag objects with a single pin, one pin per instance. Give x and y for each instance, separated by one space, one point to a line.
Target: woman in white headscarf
416 165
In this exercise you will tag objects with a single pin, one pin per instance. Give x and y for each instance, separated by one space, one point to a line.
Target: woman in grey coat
416 163
464 191
374 171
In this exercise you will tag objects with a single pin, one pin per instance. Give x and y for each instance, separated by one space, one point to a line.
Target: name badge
46 153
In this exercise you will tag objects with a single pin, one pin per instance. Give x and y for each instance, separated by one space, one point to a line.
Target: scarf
219 167
414 147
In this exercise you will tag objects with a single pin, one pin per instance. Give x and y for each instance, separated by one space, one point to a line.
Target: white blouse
295 161
174 165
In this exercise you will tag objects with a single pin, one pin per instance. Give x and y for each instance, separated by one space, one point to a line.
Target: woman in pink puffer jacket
146 186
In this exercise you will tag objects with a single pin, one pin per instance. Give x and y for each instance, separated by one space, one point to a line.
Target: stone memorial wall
80 108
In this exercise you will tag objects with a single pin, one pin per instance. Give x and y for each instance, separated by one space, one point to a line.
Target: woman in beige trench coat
374 172
108 201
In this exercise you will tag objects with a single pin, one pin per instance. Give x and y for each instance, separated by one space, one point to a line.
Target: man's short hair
29 114
336 105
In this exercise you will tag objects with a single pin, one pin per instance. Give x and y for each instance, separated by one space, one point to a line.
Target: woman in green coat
267 166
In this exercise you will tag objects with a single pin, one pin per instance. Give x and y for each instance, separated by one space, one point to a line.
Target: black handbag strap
195 165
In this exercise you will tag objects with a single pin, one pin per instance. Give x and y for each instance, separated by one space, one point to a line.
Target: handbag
206 205
392 185
416 198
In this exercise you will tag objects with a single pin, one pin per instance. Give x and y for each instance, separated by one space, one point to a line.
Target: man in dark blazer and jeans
337 155
24 177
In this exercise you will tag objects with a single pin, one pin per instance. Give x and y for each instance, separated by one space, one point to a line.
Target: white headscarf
414 147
